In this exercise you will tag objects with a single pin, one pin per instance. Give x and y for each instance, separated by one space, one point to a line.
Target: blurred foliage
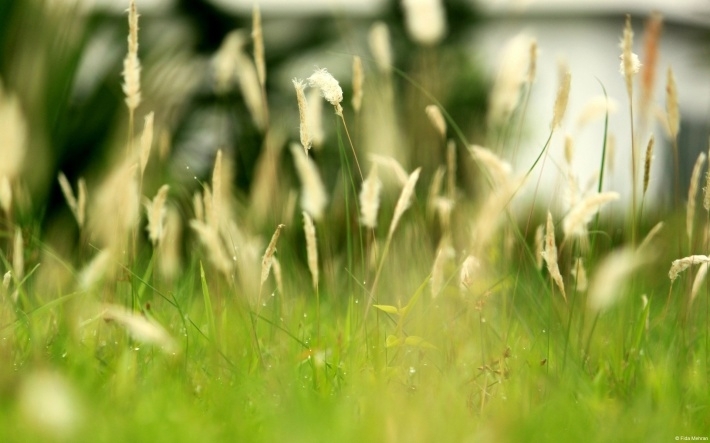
65 65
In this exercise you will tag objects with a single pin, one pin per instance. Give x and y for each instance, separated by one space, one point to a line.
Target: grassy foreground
403 310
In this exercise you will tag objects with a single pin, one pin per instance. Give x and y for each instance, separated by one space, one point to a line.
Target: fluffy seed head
652 36
210 239
5 195
404 200
313 194
146 141
257 36
156 215
608 281
358 82
512 74
550 256
267 259
498 170
311 247
329 88
370 199
692 194
629 64
425 21
306 140
579 272
698 281
469 269
379 41
143 329
647 163
575 223
684 263
562 95
131 64
437 119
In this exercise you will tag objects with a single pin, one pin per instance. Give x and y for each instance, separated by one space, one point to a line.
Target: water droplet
412 371
305 315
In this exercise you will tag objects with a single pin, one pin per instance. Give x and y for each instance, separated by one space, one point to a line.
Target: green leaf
392 341
388 309
418 342
208 305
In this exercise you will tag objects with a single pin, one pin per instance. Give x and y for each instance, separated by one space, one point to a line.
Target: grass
371 350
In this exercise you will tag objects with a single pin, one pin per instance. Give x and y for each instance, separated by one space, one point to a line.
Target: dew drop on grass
305 315
356 301
412 371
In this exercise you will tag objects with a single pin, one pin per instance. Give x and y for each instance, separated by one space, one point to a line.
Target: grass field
393 303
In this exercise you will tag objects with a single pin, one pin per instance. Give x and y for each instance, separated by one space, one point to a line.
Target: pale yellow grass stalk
198 207
497 169
469 270
96 270
257 36
82 198
131 64
399 172
444 253
218 193
115 207
684 263
437 120
18 255
313 194
437 182
550 256
6 280
650 236
698 281
512 74
267 259
532 62
607 284
208 203
451 169
278 276
329 88
76 205
170 262
314 117
370 199
575 223
380 47
142 328
5 195
311 248
14 134
647 164
251 90
562 95
212 242
692 194
569 150
146 141
68 193
539 245
358 83
672 104
404 200
306 140
611 153
579 273
155 210
444 207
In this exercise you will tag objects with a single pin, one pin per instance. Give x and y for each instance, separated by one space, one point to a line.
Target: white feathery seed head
329 88
313 194
425 21
370 199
